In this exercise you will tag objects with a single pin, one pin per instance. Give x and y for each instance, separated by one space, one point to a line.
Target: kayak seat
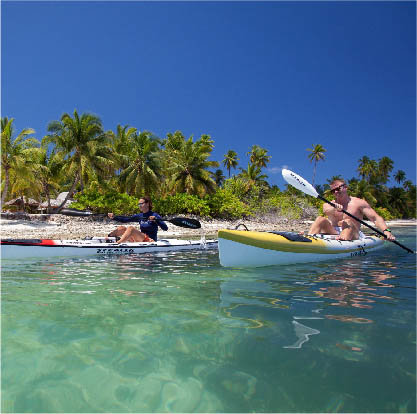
292 236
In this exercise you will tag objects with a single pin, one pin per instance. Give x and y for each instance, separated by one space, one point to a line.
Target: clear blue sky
282 75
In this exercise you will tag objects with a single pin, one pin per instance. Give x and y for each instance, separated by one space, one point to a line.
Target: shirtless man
339 223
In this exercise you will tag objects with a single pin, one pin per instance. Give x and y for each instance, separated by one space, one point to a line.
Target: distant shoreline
64 227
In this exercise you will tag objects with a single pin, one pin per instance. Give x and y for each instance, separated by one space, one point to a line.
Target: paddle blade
188 223
299 183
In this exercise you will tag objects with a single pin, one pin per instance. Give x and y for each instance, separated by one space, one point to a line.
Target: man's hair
338 180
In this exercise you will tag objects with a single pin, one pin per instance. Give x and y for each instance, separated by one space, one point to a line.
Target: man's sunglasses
337 189
141 204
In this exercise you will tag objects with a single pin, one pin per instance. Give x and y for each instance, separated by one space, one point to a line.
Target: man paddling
341 224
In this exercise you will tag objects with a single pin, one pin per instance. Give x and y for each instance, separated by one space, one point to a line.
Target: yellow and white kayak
239 248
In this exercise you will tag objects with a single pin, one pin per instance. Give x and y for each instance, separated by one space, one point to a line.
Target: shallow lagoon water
176 332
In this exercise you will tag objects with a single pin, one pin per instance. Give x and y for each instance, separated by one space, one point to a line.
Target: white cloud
275 170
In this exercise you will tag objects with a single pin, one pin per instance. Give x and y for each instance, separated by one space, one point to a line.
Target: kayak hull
16 249
256 249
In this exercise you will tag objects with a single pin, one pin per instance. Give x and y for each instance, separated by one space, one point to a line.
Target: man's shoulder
358 201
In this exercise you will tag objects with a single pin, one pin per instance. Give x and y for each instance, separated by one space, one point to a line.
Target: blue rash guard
149 227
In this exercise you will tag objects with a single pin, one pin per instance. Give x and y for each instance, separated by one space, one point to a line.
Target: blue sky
282 75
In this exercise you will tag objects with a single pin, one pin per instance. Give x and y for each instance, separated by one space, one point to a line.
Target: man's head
338 187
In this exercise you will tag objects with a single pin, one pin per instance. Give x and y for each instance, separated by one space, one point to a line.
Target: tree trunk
71 192
314 172
6 187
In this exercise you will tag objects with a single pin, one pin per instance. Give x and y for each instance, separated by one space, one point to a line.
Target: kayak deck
238 248
21 248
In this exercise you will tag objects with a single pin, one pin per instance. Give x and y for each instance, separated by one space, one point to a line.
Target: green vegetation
110 170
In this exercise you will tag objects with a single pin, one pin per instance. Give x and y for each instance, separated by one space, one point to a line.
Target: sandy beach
64 227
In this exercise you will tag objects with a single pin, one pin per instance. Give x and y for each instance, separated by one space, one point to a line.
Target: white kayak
239 248
21 248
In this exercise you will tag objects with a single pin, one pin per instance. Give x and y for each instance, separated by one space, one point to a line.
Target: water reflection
354 287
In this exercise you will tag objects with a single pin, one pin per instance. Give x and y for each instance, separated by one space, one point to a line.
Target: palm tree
121 142
206 143
48 170
258 157
218 177
408 185
317 154
362 189
397 198
82 143
230 160
187 168
253 176
142 175
399 176
14 152
385 166
367 168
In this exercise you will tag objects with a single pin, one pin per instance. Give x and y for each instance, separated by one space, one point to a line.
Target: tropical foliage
111 170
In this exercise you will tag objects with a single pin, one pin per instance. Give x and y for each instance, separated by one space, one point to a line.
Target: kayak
240 248
21 248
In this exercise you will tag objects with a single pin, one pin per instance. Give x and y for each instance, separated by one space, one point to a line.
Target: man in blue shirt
149 222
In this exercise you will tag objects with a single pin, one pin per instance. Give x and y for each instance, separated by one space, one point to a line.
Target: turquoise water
175 332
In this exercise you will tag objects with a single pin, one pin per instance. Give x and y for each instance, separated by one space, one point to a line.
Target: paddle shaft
366 224
176 221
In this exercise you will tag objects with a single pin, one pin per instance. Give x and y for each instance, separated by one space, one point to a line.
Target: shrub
384 213
182 204
109 201
224 204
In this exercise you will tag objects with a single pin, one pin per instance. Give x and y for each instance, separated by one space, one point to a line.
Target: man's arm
328 210
379 222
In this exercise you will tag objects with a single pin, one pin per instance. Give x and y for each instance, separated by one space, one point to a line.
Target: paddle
298 182
185 222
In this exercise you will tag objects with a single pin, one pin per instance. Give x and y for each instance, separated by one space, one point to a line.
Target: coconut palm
206 143
317 154
408 185
362 189
258 156
385 166
173 142
15 153
398 201
399 176
187 168
367 168
253 176
218 177
142 175
49 173
230 160
82 143
121 141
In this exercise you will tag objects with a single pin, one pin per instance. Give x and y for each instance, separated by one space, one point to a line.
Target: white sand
63 227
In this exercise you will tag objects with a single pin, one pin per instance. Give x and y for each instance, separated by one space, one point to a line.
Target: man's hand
338 207
389 235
